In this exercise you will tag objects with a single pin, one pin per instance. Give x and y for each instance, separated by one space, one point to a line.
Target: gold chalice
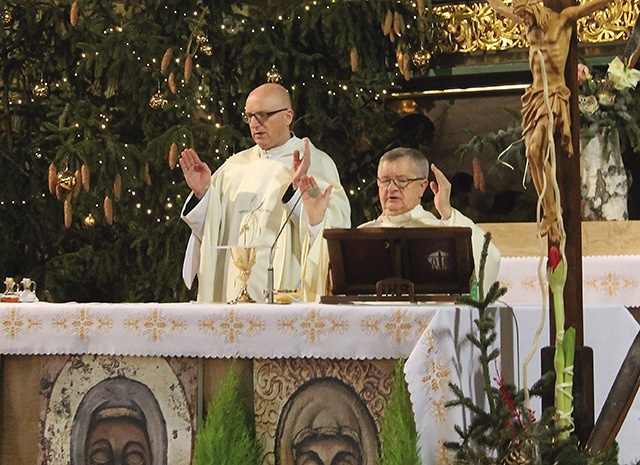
243 258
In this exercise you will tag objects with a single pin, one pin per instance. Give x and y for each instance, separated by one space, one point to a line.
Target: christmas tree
99 97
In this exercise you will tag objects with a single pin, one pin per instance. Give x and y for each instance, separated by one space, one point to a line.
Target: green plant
503 430
398 436
226 436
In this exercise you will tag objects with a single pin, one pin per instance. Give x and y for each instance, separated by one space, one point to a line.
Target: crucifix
550 126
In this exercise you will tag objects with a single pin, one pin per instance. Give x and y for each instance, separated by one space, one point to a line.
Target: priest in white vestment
402 180
252 196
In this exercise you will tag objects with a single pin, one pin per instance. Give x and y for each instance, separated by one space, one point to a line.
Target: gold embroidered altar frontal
290 357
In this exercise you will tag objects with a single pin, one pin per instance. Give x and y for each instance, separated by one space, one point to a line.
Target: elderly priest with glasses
255 199
402 180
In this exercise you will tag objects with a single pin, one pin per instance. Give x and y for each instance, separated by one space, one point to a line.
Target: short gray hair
416 156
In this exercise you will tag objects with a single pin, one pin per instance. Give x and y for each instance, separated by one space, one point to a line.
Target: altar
54 355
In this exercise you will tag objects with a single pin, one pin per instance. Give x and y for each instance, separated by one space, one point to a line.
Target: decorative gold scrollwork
477 27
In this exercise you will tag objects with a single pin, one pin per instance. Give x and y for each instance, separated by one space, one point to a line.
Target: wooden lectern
400 264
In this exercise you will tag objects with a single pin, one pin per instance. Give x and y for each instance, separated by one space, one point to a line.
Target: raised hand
196 172
300 166
314 200
441 188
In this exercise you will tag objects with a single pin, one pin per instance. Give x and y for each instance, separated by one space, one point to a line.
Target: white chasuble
243 206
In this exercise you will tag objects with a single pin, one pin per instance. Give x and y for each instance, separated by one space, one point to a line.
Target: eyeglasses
261 116
399 183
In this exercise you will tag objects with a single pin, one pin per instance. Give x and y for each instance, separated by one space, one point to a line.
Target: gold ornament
188 68
171 82
85 177
66 180
89 221
422 58
41 90
73 14
525 453
7 17
166 60
606 98
157 101
202 38
274 76
108 210
68 213
173 155
207 49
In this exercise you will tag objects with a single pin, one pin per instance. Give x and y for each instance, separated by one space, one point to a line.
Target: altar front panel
430 336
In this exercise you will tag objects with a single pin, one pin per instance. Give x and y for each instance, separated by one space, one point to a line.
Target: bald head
271 94
271 103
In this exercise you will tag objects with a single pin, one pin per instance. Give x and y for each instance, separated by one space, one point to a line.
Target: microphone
313 192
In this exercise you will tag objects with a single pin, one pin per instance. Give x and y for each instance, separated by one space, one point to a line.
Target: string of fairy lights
203 99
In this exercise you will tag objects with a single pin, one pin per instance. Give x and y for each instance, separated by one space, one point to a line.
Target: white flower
621 76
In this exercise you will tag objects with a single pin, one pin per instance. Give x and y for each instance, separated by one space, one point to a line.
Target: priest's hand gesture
441 188
314 200
300 166
196 172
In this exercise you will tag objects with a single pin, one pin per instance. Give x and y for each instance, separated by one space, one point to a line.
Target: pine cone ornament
398 24
420 4
85 177
171 82
173 155
68 213
53 178
353 58
188 68
117 186
147 175
406 67
166 60
108 210
388 23
73 14
78 185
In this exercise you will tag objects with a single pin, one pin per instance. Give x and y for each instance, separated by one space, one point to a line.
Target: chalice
243 258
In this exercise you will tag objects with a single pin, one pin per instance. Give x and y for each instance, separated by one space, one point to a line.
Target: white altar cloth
611 279
214 330
431 337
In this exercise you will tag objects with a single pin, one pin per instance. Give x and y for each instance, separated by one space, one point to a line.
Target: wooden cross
568 175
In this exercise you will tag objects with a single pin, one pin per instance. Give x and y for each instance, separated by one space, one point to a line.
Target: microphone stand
313 192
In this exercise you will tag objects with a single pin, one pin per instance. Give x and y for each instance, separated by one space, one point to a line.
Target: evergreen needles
226 437
398 434
502 430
